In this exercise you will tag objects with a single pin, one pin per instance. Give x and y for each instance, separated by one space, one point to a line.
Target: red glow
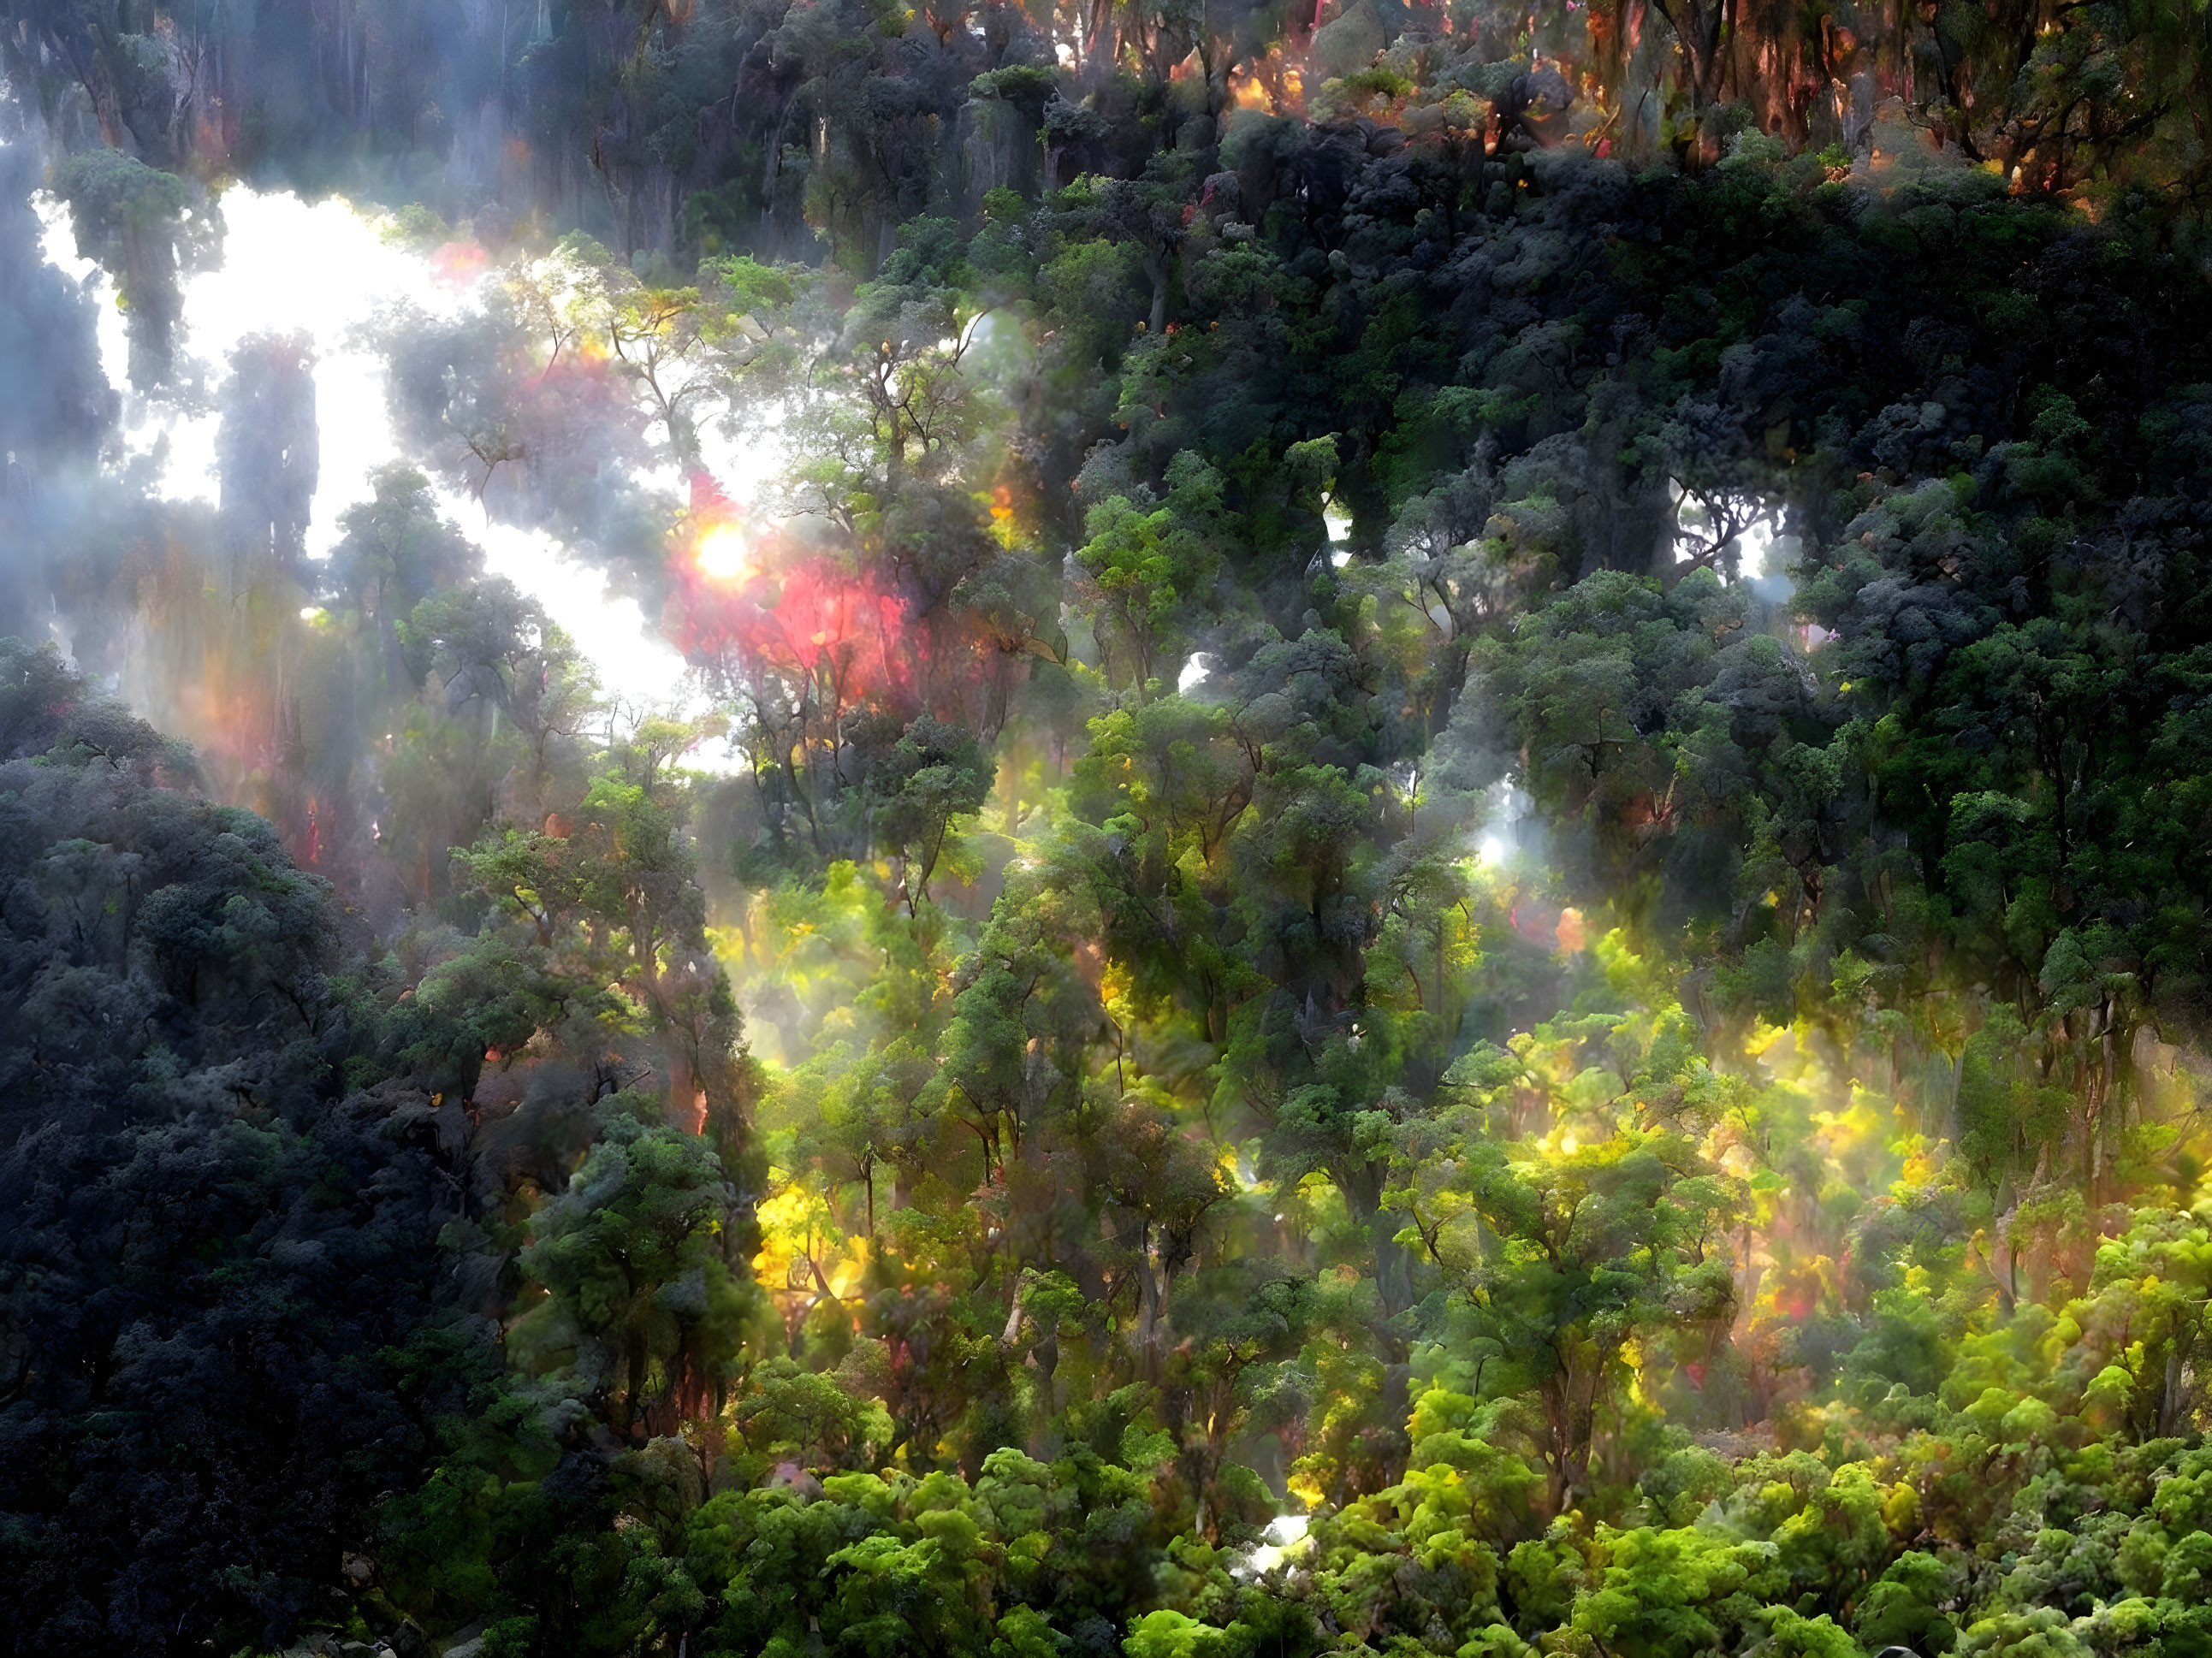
786 624
805 629
718 546
812 622
460 263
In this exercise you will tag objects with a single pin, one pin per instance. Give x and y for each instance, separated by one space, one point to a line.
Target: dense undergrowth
1426 817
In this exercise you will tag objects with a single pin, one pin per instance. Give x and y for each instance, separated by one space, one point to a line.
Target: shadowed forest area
1435 876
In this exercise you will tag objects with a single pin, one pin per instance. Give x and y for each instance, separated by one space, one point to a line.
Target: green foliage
1473 881
634 1261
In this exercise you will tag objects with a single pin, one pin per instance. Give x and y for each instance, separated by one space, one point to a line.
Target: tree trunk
1156 267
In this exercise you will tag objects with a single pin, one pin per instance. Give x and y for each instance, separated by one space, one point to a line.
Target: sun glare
723 555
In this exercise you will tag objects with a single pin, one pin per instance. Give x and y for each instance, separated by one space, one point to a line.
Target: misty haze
1139 828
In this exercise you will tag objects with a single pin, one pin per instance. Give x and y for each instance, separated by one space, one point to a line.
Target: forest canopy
1433 876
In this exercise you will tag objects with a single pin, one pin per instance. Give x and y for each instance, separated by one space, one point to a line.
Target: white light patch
1757 546
633 664
1337 522
1285 1534
722 555
745 463
57 240
324 270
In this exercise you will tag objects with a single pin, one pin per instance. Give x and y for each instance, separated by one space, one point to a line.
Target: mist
1030 829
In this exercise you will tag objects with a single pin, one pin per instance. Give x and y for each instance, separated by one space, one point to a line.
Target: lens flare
722 555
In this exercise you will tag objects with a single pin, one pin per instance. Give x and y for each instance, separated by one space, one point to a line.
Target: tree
645 1304
488 644
148 228
937 775
395 549
1567 1255
1149 565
